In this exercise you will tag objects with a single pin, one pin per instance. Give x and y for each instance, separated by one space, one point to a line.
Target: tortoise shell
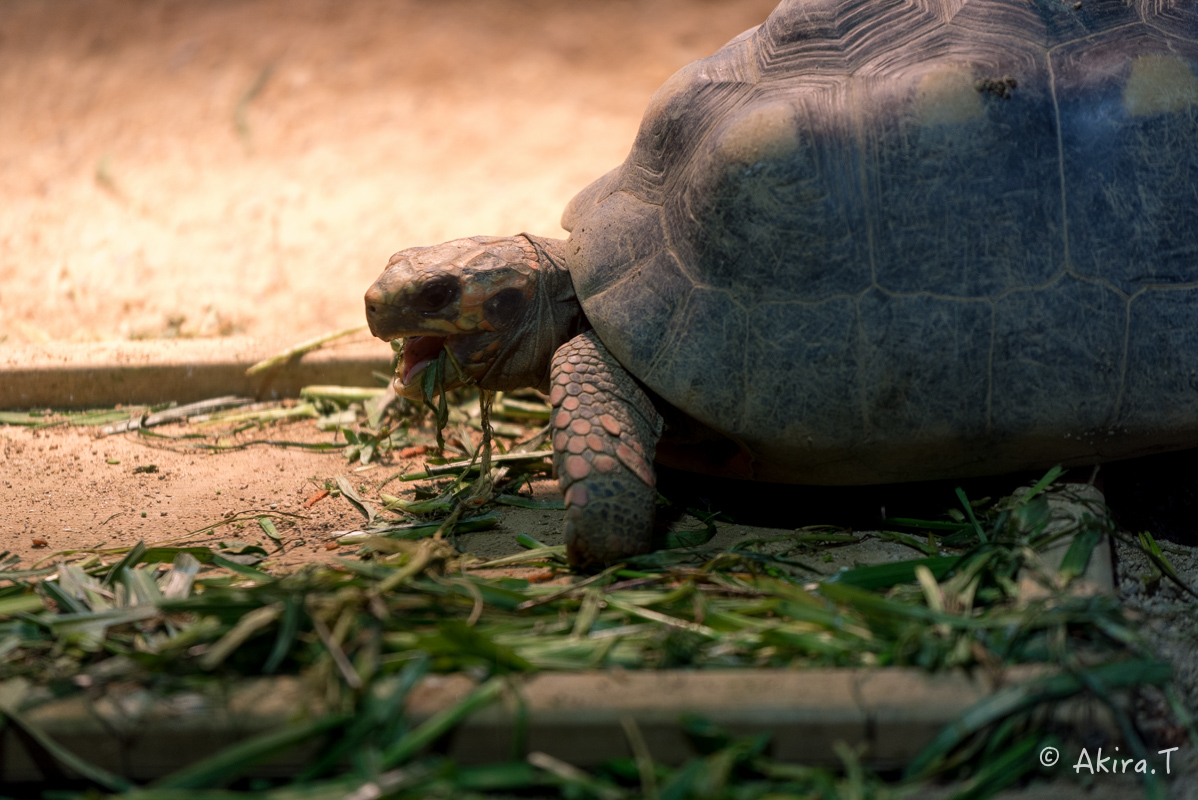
884 240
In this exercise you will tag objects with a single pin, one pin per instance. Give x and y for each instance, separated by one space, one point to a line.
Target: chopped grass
52 419
418 606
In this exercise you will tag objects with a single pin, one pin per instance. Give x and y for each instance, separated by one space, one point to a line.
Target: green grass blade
142 587
924 546
228 764
995 775
878 607
131 560
21 604
356 500
268 527
883 576
16 575
524 540
458 637
529 502
300 349
1016 698
246 628
66 603
373 725
676 539
1042 484
555 553
1158 559
26 419
500 777
343 395
97 775
973 520
422 530
1077 557
440 723
433 470
247 572
157 794
683 784
288 627
167 555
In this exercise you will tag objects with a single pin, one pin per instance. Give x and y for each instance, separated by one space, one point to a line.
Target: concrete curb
576 717
104 374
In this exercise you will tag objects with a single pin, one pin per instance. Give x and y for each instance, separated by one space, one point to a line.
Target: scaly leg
605 430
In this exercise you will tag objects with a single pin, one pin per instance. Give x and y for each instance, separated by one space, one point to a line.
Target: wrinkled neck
554 317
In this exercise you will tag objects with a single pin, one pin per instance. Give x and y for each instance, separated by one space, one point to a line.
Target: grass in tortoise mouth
418 353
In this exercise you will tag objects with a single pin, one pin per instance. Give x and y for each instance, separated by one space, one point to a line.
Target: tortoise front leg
605 430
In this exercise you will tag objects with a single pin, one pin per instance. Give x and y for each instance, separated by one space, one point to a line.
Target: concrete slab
103 374
576 717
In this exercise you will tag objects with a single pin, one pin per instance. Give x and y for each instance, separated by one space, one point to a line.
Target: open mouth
418 353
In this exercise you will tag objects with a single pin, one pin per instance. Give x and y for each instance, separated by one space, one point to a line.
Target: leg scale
605 431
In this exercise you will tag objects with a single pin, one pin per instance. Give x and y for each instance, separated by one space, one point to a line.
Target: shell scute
1059 358
635 316
1131 210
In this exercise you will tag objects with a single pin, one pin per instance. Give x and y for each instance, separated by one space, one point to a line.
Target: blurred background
226 167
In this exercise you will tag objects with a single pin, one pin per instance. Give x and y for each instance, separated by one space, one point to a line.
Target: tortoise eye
436 294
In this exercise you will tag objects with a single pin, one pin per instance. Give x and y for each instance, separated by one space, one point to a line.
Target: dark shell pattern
882 240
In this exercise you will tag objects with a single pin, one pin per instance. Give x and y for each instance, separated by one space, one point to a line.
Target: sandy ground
64 488
216 167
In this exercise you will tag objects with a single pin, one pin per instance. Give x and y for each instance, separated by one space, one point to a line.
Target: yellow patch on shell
946 96
766 133
1160 84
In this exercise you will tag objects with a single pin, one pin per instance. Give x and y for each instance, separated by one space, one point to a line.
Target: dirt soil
207 168
64 488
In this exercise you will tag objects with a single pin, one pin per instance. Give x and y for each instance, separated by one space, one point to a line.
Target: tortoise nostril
370 309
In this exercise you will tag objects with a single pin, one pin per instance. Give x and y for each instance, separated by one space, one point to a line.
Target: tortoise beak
385 320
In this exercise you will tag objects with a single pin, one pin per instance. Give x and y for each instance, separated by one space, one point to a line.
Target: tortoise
868 241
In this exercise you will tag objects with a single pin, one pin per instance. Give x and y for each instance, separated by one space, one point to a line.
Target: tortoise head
491 302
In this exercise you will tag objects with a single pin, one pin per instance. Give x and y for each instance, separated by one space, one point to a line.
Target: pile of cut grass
368 628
